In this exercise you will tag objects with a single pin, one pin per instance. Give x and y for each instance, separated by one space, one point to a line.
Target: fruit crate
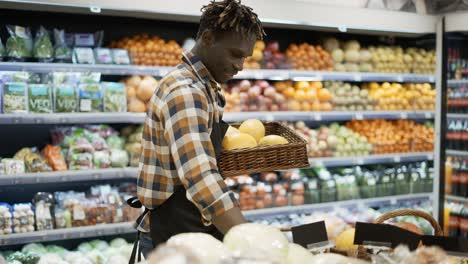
266 158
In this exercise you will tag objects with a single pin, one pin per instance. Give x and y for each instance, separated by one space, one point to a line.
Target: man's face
226 53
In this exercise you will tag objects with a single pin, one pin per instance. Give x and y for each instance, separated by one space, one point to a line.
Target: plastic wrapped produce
19 43
80 154
15 98
35 163
13 166
101 159
54 157
62 218
62 52
44 206
297 254
6 219
23 258
97 213
66 98
23 218
120 56
119 158
98 142
83 56
205 247
115 142
40 98
43 49
103 56
115 99
90 95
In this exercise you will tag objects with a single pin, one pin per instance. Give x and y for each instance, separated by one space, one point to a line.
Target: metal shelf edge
456 198
461 153
371 159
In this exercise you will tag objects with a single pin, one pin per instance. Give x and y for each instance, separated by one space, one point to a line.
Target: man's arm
186 117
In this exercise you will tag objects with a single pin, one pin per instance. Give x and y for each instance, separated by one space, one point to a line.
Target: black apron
177 214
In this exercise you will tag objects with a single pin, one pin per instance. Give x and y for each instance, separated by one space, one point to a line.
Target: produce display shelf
139 118
327 116
306 209
68 176
457 153
456 198
457 82
67 233
245 74
457 116
371 159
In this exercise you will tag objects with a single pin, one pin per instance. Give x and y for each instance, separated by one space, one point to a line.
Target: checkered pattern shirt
176 144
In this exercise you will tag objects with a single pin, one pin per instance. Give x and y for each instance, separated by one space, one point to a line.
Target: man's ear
207 38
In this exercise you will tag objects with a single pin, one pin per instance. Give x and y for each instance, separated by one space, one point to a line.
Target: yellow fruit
257 55
238 141
254 128
302 85
386 85
272 140
345 241
374 85
232 130
259 45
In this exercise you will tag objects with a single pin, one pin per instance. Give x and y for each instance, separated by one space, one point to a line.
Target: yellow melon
232 130
238 141
272 140
254 128
345 241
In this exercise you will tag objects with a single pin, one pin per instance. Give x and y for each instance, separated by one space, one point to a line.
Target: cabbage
126 250
85 247
256 240
207 248
71 256
81 260
57 250
96 257
15 262
99 244
117 259
298 255
118 242
51 258
35 248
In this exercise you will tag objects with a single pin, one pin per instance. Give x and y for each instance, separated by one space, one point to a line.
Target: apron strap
136 249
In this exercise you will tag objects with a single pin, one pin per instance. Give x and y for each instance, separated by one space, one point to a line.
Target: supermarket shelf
371 159
305 209
333 76
246 74
328 116
72 118
139 118
67 233
457 116
457 82
456 198
68 176
457 153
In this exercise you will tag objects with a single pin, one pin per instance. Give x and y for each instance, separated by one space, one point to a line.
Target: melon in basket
238 141
345 241
272 140
253 127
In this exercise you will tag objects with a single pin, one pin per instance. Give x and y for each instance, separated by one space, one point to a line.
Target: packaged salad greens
103 56
63 52
120 56
19 44
43 49
15 98
66 98
90 95
40 98
83 56
115 99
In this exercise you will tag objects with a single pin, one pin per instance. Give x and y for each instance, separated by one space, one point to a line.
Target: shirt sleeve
186 120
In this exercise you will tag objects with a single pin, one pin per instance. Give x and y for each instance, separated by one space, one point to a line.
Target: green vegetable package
43 49
19 44
40 98
15 98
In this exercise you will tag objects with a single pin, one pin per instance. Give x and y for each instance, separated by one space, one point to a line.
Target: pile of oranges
305 96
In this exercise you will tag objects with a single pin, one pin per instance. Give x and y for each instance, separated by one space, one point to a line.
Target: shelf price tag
428 115
317 117
318 163
269 118
399 78
403 115
258 75
357 77
360 161
359 116
397 159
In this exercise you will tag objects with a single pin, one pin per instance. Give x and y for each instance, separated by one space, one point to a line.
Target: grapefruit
254 128
272 140
238 141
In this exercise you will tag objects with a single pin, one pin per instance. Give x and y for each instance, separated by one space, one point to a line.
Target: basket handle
405 212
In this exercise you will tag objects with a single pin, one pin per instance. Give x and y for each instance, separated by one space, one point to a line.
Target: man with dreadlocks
179 183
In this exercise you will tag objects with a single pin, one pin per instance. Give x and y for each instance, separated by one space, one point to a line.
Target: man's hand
228 219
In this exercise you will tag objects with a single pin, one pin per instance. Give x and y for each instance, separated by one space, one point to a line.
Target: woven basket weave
266 158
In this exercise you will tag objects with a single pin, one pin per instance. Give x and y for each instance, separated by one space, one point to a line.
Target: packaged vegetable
62 218
44 204
71 78
15 98
103 56
13 166
119 158
90 95
35 163
90 77
120 56
2 50
63 53
40 98
104 131
66 98
6 219
115 142
101 159
83 56
23 218
23 258
115 99
43 49
19 43
54 157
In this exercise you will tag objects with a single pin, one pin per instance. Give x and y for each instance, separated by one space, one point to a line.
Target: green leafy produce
43 49
90 95
115 99
34 248
99 244
24 258
85 247
57 250
63 53
40 98
14 98
115 142
19 44
118 242
66 98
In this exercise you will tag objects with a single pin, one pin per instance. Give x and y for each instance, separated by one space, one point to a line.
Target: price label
269 118
431 79
396 159
428 115
357 77
38 120
360 161
258 75
96 176
318 163
359 116
317 117
399 78
403 115
393 201
430 156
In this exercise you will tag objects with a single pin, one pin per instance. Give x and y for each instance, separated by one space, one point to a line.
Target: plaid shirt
176 144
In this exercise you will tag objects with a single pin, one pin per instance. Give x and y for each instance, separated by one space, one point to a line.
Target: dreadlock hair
230 15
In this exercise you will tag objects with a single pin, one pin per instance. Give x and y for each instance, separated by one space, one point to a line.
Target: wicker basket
266 158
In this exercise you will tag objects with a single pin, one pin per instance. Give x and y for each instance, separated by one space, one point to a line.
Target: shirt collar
200 70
